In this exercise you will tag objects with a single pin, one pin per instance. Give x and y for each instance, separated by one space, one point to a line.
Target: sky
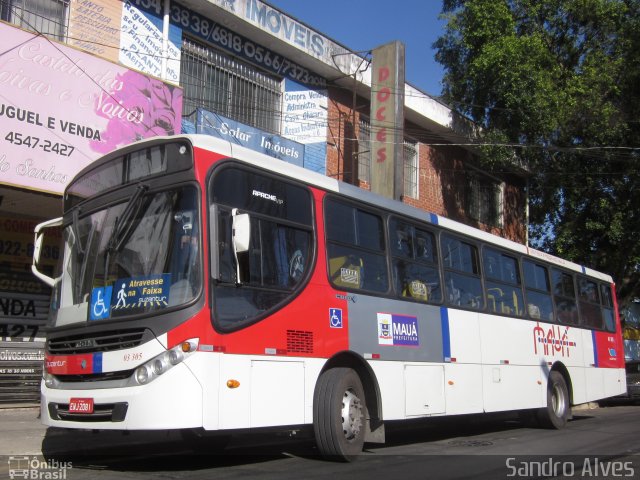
366 24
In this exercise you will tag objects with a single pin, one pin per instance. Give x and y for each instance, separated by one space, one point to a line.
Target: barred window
364 150
224 85
484 201
410 150
48 17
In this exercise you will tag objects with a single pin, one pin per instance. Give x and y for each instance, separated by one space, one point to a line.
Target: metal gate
22 317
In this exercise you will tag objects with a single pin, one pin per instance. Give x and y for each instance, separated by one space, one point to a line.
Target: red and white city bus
205 287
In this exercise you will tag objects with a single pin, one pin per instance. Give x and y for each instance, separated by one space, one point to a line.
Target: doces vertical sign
387 119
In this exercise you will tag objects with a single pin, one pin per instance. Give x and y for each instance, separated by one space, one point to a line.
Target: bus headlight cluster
49 380
160 364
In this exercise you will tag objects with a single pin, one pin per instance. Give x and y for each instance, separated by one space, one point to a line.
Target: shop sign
305 120
240 134
387 120
216 34
62 108
94 26
141 44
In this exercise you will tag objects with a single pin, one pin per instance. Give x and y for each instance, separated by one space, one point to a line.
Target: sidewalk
24 435
22 432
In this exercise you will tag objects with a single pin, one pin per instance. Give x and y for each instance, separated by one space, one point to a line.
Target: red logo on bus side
553 341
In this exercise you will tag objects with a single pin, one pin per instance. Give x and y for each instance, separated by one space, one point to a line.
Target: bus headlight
164 362
160 365
142 375
49 380
175 356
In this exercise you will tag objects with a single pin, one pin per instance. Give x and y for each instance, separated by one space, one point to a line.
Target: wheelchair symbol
335 317
99 308
100 303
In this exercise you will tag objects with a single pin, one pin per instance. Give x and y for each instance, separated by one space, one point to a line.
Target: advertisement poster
141 44
60 109
305 120
94 26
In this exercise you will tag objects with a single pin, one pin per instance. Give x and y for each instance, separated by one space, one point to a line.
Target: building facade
81 77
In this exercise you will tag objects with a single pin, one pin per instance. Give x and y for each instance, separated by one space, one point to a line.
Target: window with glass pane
224 85
459 255
364 150
355 247
48 17
590 314
415 270
462 273
607 308
538 291
565 297
484 199
504 294
280 244
410 150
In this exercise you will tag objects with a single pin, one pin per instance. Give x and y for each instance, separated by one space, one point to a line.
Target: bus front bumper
171 401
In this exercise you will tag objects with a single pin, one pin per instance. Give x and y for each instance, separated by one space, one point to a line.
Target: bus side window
590 313
565 297
607 308
462 273
502 280
415 269
537 291
355 247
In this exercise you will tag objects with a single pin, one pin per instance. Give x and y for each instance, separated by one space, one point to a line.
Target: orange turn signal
233 383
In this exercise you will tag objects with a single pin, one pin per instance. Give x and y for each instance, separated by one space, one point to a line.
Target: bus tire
556 414
339 414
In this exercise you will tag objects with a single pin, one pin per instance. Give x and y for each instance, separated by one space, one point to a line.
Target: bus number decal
398 330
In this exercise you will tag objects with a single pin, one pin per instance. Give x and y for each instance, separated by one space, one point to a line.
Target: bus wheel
558 408
339 414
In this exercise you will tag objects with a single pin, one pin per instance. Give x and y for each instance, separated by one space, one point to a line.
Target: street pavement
22 432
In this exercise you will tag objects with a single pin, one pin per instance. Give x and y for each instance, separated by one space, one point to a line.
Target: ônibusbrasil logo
35 468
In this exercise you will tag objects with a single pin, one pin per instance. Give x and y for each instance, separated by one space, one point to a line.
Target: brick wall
441 170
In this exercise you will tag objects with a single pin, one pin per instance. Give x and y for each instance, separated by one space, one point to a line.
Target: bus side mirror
241 232
241 235
37 249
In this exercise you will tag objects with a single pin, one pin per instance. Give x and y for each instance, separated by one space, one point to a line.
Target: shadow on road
154 451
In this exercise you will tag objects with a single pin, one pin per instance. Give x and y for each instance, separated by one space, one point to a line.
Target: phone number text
48 146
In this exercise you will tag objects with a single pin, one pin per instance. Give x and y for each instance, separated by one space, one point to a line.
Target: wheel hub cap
351 415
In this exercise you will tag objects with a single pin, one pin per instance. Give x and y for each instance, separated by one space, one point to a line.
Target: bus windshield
132 258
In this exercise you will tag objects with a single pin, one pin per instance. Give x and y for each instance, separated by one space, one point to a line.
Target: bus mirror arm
37 249
241 232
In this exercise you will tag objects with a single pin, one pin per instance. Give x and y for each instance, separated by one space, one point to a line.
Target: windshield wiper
76 233
81 250
123 225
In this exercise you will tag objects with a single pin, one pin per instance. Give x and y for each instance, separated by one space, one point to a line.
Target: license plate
81 405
